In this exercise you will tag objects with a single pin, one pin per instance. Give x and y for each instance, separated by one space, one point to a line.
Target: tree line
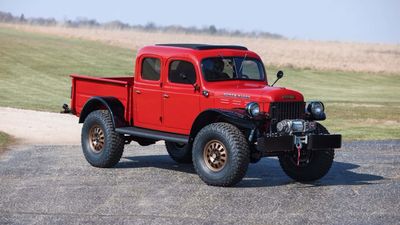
7 17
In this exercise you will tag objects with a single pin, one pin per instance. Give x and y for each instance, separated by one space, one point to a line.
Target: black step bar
153 134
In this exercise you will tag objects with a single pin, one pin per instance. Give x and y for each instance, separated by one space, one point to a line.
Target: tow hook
298 145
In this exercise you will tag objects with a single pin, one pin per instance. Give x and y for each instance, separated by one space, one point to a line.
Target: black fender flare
237 117
112 104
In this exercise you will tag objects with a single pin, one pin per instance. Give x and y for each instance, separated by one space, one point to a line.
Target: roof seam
204 46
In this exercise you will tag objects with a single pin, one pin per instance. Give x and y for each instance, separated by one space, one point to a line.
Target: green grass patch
35 68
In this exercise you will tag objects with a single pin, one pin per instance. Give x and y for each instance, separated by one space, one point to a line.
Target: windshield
232 68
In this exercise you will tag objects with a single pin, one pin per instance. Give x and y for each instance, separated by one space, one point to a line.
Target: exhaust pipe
66 109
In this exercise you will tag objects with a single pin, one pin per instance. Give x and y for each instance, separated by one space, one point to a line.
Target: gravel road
53 184
34 127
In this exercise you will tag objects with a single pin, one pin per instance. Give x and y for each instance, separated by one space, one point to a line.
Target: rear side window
181 72
151 69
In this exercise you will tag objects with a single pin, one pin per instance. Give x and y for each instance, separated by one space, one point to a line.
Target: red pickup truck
213 107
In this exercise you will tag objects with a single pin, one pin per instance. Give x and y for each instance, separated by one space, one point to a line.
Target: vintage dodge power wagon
213 107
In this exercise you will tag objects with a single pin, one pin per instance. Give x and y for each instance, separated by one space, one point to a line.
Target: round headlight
253 109
317 110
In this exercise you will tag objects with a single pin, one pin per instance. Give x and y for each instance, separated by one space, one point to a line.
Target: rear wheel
313 164
221 154
181 153
101 145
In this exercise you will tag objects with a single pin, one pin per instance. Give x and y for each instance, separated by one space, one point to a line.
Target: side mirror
279 75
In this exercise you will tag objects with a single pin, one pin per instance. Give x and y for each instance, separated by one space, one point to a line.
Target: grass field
34 68
34 71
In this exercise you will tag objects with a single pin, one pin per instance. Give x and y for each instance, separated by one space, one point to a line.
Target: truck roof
195 51
204 46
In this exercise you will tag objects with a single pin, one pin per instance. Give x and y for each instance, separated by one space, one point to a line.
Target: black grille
287 110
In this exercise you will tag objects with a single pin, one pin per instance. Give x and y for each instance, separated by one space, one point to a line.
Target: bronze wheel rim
215 155
96 139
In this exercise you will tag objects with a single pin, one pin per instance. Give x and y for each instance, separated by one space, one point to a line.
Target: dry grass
316 55
5 140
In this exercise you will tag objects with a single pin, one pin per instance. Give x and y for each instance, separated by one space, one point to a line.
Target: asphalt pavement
55 185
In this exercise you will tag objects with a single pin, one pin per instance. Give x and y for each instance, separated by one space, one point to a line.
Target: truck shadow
269 173
156 161
265 173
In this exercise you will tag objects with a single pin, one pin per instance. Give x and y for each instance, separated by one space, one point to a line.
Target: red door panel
148 106
181 101
181 106
147 100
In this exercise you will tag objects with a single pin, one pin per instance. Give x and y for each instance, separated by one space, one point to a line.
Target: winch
295 126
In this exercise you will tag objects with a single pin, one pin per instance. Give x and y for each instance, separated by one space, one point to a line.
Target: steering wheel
244 76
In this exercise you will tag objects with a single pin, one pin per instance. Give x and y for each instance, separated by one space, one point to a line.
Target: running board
152 134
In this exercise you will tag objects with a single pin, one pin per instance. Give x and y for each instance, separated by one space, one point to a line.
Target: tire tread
179 157
115 147
241 154
319 167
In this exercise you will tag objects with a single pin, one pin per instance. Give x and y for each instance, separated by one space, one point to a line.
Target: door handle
165 95
138 92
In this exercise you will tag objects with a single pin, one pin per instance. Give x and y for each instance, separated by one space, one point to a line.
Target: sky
331 20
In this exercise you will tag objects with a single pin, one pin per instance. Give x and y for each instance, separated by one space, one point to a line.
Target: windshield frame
258 61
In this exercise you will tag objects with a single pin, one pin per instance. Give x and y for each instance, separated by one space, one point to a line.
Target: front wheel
221 154
101 145
313 164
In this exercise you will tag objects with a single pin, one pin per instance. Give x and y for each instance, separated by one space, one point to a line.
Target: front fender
237 117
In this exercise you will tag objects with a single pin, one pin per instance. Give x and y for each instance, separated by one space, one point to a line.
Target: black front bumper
286 143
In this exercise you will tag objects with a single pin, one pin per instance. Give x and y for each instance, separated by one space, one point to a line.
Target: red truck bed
84 87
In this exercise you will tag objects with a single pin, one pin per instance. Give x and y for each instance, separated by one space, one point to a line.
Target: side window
151 69
181 72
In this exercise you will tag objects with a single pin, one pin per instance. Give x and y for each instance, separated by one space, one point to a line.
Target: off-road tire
237 159
113 146
181 153
318 166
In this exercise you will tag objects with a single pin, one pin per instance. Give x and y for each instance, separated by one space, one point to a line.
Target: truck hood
238 94
255 92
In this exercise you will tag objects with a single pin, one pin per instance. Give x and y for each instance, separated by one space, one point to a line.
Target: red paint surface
171 107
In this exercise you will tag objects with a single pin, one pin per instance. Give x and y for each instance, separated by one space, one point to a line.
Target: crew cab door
181 101
147 99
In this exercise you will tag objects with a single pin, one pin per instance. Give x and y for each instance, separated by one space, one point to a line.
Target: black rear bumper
286 143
